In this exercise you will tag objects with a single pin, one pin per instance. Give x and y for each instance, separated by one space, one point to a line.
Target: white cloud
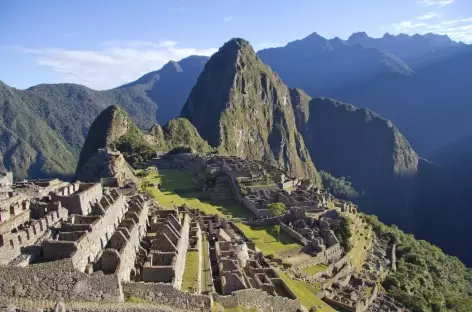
228 19
428 16
459 29
438 3
115 63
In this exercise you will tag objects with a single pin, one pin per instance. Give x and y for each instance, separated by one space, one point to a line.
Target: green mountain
114 128
243 108
28 145
55 118
425 278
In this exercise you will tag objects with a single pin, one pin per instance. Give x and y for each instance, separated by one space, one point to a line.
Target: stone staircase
221 192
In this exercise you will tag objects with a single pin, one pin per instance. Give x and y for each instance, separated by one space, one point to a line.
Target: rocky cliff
242 108
348 141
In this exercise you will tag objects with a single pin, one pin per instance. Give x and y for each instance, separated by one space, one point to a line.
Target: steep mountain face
446 182
358 144
242 108
418 82
170 86
348 141
114 128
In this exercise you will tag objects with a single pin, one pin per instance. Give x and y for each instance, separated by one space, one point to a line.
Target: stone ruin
109 167
351 295
74 233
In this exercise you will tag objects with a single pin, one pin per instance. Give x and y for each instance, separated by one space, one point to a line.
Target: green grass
266 239
207 279
357 254
306 293
172 180
190 277
312 270
133 299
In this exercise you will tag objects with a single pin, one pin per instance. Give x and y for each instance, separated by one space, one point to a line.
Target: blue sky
105 43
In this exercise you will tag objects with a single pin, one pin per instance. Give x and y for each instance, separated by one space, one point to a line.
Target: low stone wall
58 280
168 295
270 221
293 234
257 299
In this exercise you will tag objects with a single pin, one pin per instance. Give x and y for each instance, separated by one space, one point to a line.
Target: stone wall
28 236
182 247
293 234
128 253
58 280
11 222
168 295
258 299
269 221
85 249
79 202
91 244
394 258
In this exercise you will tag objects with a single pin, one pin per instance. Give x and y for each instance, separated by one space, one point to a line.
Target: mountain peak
172 66
357 36
112 123
239 103
235 44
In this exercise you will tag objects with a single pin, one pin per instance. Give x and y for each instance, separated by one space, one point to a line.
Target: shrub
287 265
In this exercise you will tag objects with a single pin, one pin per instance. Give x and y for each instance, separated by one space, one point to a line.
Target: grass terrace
177 188
207 279
190 277
266 240
306 293
312 270
357 254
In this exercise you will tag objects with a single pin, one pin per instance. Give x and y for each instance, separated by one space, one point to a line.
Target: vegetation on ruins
277 231
344 234
426 279
339 187
277 209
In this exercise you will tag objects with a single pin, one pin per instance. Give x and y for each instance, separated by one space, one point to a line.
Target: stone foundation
258 299
168 295
58 280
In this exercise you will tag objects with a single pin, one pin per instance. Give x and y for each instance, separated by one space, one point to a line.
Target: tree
277 230
277 209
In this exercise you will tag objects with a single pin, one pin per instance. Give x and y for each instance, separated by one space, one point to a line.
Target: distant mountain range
418 82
